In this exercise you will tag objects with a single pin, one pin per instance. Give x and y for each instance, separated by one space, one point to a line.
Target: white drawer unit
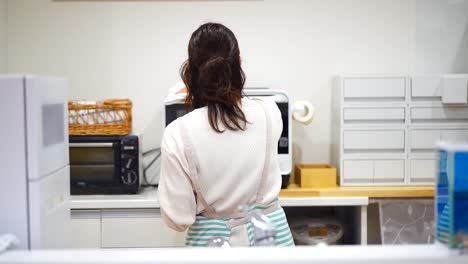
374 115
374 88
385 128
377 172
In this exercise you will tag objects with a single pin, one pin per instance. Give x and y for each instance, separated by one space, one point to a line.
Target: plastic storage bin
408 221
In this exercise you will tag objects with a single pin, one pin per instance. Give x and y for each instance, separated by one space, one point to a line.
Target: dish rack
108 117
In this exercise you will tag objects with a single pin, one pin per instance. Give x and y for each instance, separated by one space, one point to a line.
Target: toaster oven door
93 166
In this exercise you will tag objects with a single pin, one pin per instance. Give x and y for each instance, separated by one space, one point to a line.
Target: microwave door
47 125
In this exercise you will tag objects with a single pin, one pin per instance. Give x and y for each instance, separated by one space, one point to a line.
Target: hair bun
215 75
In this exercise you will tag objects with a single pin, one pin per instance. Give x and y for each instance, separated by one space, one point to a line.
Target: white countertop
148 198
408 254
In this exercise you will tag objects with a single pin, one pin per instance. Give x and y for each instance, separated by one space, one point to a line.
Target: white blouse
229 164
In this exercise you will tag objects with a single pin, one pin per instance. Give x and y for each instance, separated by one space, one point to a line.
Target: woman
223 154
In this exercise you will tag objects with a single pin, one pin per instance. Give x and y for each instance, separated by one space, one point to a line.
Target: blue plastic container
452 195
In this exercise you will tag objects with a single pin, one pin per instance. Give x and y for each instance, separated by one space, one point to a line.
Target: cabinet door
86 228
137 228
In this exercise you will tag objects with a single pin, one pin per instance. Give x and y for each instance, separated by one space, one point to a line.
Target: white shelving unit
385 127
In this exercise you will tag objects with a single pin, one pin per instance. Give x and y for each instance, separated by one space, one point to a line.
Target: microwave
104 164
175 110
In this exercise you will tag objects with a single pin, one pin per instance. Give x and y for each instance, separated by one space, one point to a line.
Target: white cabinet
122 228
86 228
385 128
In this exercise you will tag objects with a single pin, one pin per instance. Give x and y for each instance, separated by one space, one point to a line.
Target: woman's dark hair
214 77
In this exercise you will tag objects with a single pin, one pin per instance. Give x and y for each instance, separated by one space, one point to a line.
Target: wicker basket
110 117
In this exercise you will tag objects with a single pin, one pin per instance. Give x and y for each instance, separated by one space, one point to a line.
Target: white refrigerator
34 164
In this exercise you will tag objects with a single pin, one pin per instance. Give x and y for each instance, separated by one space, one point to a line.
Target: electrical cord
145 176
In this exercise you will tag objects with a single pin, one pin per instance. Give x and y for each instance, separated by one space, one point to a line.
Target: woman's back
229 164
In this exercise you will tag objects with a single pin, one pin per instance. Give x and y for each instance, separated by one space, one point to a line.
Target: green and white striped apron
209 223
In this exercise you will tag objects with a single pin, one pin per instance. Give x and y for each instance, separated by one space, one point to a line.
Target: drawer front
424 140
137 228
431 88
439 114
455 135
389 171
422 170
358 170
427 88
374 140
374 115
86 228
392 89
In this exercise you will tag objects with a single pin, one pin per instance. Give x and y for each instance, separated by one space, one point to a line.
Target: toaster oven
104 164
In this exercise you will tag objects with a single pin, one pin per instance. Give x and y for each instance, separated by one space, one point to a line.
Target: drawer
137 228
389 89
374 140
374 115
422 170
374 171
439 114
455 135
358 170
431 88
427 88
389 171
86 228
424 140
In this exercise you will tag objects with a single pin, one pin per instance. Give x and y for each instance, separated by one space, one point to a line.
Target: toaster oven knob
129 178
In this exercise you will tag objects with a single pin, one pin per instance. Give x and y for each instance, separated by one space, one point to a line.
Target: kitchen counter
294 190
292 196
148 198
410 254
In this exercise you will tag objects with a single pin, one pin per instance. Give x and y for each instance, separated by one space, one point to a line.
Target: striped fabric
205 228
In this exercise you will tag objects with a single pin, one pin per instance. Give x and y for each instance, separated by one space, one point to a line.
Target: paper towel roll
303 112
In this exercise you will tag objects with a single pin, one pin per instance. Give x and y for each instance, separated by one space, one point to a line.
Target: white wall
3 36
441 36
134 49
